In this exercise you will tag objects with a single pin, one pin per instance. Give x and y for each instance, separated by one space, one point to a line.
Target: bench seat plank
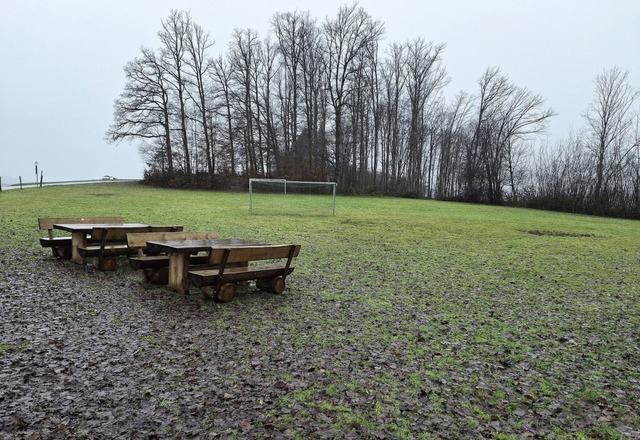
149 261
55 241
160 275
208 277
160 261
108 250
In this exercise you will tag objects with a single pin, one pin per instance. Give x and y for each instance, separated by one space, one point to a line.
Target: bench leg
275 285
178 267
78 239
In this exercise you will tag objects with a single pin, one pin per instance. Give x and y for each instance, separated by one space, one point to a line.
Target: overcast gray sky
61 61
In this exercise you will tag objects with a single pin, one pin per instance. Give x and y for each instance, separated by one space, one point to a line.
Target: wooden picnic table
79 233
180 250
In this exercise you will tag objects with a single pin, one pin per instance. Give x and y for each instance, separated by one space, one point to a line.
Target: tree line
320 100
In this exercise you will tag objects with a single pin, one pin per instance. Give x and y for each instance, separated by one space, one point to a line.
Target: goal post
275 196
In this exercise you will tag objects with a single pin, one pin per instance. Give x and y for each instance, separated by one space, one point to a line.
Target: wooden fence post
20 177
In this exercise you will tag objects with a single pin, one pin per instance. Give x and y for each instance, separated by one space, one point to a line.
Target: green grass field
421 318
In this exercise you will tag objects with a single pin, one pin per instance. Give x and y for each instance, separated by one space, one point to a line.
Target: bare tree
244 59
358 121
494 90
394 84
346 36
289 28
143 109
517 153
524 117
173 37
452 138
562 177
198 42
258 77
221 74
376 108
424 75
264 90
506 114
301 88
609 124
634 160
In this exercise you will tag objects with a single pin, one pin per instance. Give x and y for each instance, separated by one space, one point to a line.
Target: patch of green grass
167 403
151 339
503 436
331 407
286 420
81 433
605 432
481 414
599 432
6 348
357 422
305 394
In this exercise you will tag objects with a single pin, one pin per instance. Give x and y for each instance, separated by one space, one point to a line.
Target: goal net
280 196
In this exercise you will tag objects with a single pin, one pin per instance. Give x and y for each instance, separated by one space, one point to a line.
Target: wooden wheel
278 285
275 285
226 293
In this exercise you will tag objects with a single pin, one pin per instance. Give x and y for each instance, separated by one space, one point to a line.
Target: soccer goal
280 196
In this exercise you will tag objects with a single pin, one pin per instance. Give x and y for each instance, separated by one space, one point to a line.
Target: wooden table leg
78 239
178 267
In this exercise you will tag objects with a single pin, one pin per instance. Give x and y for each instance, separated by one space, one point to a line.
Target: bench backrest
243 254
106 234
138 240
48 222
103 234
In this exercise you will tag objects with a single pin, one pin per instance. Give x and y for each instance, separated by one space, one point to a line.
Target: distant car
107 177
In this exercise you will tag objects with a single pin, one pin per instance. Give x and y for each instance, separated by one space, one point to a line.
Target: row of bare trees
598 169
321 101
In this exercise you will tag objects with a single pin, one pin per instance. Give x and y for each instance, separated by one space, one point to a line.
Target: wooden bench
155 267
61 245
218 282
108 243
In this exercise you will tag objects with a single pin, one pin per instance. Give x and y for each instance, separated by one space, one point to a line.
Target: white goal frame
285 182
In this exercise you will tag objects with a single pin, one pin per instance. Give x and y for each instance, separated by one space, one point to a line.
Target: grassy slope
473 317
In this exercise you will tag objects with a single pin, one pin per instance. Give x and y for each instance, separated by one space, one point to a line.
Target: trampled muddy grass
403 319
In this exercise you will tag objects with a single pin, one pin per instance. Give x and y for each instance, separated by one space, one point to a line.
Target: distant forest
322 101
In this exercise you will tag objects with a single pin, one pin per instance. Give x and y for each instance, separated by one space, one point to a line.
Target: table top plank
88 227
189 246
